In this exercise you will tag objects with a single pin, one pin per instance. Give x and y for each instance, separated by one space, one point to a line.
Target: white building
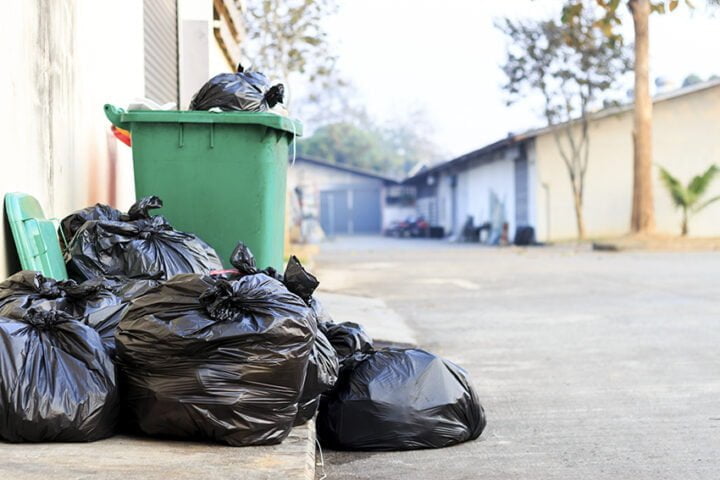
523 179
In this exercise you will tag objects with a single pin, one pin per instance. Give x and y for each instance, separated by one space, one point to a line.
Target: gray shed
346 200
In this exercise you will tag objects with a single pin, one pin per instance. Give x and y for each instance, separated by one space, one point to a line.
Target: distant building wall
686 141
360 197
477 184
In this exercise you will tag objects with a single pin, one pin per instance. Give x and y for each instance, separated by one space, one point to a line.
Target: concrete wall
62 61
200 55
686 141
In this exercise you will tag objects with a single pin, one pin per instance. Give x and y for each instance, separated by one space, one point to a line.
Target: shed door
334 212
350 211
366 214
160 25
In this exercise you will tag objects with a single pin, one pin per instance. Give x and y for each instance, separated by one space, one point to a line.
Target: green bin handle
114 114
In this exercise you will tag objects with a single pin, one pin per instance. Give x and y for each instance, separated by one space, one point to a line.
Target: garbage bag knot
46 319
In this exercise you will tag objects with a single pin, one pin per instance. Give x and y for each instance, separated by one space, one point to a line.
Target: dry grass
657 242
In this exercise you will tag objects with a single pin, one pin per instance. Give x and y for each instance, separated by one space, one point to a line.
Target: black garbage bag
215 359
298 280
245 91
322 315
57 383
99 303
139 247
400 399
28 289
322 373
347 338
243 260
72 223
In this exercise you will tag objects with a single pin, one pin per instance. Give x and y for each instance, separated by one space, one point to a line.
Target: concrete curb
380 321
126 457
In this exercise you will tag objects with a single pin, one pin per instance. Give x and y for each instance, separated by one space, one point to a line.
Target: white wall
201 57
686 141
444 196
61 63
476 184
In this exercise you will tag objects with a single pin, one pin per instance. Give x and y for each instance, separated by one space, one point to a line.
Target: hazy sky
443 57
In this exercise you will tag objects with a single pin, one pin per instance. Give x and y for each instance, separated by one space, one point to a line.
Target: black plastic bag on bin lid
209 358
57 383
244 91
298 280
400 399
141 247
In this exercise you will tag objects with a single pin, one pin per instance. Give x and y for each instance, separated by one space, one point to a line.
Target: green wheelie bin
220 175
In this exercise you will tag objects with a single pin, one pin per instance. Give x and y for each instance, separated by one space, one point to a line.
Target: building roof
607 112
493 147
346 168
513 139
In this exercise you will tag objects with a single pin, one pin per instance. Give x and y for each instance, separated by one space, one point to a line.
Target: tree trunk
685 222
577 200
643 212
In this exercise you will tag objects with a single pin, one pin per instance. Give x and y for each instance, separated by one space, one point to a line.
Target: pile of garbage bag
237 356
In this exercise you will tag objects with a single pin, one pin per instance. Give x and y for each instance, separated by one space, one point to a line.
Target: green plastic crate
221 175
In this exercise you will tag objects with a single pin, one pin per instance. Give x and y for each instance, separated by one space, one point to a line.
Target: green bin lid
35 237
121 118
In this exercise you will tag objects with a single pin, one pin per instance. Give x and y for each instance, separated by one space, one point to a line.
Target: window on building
400 195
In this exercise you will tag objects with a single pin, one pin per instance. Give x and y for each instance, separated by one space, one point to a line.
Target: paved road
589 365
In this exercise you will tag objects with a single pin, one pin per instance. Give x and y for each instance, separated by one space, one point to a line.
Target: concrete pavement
589 364
378 320
125 458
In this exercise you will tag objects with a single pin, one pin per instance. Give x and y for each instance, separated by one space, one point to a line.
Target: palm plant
688 197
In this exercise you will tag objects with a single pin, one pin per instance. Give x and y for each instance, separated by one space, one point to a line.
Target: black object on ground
57 383
524 236
137 246
218 359
400 399
243 91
